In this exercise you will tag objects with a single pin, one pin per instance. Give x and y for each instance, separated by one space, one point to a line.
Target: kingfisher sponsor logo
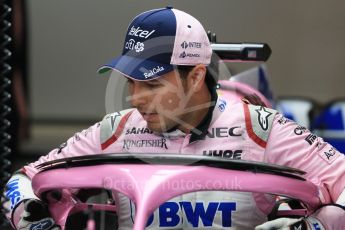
159 143
136 130
138 32
231 154
12 192
222 132
197 214
153 71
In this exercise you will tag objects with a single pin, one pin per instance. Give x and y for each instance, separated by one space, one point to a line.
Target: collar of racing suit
199 132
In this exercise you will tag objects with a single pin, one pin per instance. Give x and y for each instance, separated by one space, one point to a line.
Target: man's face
162 102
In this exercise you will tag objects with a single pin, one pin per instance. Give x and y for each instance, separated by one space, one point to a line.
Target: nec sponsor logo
231 154
221 132
198 214
185 45
153 71
12 192
138 32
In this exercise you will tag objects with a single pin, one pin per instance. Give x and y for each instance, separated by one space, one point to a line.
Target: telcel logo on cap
137 32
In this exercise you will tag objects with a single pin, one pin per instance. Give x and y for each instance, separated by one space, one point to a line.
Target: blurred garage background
59 45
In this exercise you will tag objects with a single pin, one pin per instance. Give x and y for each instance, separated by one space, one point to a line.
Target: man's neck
201 116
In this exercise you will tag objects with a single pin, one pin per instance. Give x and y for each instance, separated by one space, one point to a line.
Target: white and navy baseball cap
158 40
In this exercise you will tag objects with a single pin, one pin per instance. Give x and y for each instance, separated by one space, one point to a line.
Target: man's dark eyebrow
154 81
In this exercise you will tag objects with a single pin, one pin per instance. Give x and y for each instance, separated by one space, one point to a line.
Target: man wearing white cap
176 109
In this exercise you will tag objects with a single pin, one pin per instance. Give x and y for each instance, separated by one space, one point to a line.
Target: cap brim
136 68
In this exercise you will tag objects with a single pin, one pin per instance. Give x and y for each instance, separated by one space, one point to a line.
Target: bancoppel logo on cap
137 32
153 71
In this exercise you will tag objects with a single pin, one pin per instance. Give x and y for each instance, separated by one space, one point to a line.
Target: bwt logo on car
202 215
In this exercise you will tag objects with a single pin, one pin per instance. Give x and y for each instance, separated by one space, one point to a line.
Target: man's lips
149 116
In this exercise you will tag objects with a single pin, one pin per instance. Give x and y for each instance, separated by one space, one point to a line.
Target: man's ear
197 78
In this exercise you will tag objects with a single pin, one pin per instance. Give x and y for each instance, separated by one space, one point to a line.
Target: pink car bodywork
149 185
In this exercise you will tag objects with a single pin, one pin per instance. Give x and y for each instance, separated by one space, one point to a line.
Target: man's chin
156 128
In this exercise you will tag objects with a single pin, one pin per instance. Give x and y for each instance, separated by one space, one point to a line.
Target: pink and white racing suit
235 131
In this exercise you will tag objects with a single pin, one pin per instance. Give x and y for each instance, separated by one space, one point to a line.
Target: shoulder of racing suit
259 122
112 126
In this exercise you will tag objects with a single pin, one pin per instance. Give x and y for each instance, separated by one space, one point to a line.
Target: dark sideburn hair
210 81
